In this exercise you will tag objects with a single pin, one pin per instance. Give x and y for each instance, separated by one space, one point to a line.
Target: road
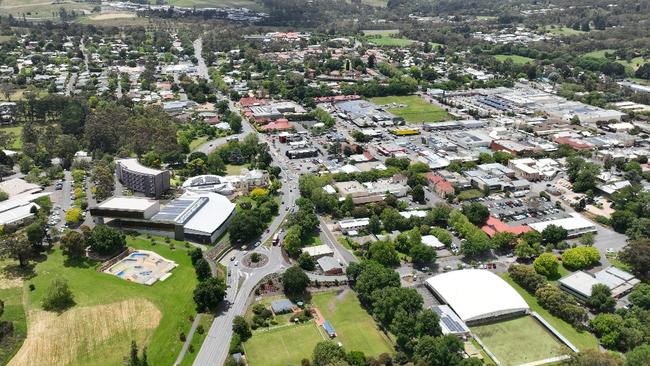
201 67
242 281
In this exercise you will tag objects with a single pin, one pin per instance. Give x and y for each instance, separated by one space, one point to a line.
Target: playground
143 267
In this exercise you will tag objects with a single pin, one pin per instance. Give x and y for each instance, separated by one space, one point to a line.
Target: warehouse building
477 296
575 225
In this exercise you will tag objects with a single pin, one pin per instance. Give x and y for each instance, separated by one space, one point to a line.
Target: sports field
355 328
581 339
416 110
108 314
564 31
289 344
390 41
520 340
516 59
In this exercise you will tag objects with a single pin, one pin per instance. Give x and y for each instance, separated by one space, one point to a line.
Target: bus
276 239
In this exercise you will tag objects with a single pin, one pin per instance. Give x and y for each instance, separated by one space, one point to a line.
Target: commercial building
353 225
302 153
139 178
318 251
579 284
477 296
227 185
19 209
363 193
16 186
494 226
450 323
195 216
575 225
432 241
330 266
534 169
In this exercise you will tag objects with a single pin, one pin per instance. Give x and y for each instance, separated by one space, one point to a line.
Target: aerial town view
324 182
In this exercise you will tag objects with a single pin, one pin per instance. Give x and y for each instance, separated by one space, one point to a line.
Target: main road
214 350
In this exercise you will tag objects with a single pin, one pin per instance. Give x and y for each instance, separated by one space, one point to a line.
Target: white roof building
318 250
432 241
17 186
575 225
477 295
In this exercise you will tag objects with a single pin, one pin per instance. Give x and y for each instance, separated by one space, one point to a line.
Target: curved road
242 281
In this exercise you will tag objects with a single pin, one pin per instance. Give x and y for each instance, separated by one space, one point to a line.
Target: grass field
355 328
564 31
198 142
390 41
581 339
109 313
251 4
630 66
283 346
41 9
380 32
417 110
197 340
13 312
469 194
17 131
519 60
234 169
520 340
288 344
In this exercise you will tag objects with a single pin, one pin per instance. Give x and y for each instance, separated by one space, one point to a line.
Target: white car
610 250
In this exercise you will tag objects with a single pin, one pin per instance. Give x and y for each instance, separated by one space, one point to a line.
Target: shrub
580 257
58 296
561 304
547 265
200 329
526 277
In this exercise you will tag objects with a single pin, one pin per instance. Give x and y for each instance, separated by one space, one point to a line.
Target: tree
35 233
327 353
202 269
245 226
292 241
608 328
387 301
106 240
58 296
580 257
73 215
601 298
637 255
553 234
240 327
588 239
73 244
369 276
306 262
374 225
439 351
209 293
504 240
16 246
383 252
422 255
294 281
133 359
640 355
593 357
418 194
428 323
547 265
640 296
526 277
195 254
476 213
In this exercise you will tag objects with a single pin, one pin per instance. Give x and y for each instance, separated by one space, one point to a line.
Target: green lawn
630 66
390 41
417 110
380 32
93 289
198 142
355 328
313 241
17 131
516 59
469 194
234 169
283 346
581 339
564 31
13 312
197 340
289 344
520 340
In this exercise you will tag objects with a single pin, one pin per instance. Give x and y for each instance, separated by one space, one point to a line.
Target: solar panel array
179 210
452 325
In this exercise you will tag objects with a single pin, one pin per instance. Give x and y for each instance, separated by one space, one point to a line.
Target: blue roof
329 328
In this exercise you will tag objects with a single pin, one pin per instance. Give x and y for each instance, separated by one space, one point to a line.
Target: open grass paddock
109 312
417 110
288 344
516 59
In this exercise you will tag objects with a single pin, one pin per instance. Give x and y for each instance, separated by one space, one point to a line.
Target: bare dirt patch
63 339
109 16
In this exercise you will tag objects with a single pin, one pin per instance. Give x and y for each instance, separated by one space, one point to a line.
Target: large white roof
476 294
575 222
211 215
